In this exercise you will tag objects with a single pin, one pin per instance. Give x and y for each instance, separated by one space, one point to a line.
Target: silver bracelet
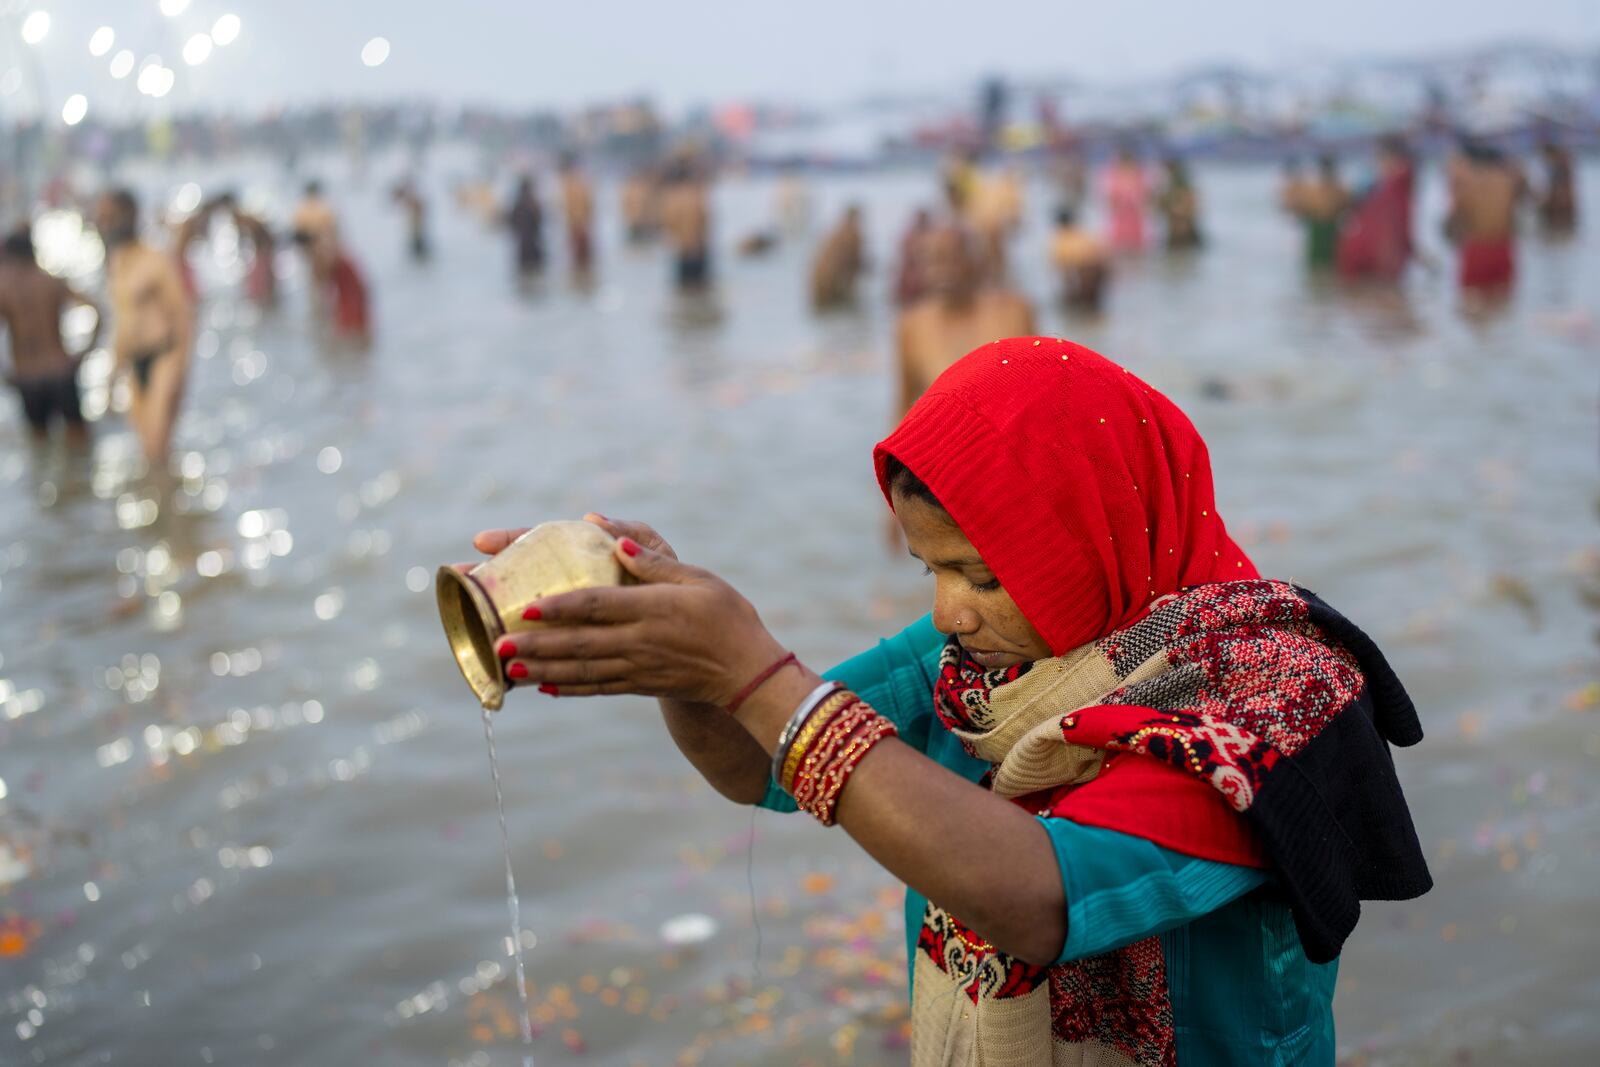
796 721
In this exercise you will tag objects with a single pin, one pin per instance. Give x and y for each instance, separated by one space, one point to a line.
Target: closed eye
987 587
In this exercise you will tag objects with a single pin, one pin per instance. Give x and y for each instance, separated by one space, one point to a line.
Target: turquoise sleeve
1121 889
896 677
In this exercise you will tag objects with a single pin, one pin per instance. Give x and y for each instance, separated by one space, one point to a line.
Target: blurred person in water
316 231
1486 187
1375 237
686 220
911 283
1081 262
525 219
42 371
1070 177
1136 792
641 209
1179 204
839 263
152 323
336 282
993 212
260 277
410 200
957 313
186 233
577 207
1319 203
1558 199
1127 192
960 178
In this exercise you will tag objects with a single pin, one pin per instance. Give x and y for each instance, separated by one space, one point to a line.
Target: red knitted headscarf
1087 492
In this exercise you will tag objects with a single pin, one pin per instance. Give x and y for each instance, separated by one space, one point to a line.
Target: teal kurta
1242 991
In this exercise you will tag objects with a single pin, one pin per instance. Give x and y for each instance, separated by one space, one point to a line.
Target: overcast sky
528 52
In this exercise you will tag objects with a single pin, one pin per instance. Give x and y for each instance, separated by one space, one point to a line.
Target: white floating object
690 929
12 866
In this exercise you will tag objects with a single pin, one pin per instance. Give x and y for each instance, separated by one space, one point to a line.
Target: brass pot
480 606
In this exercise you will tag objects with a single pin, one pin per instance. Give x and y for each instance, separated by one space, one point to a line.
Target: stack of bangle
801 716
829 734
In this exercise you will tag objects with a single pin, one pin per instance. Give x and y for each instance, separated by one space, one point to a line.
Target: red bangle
833 756
759 680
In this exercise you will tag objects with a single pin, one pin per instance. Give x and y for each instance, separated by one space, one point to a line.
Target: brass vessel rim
490 618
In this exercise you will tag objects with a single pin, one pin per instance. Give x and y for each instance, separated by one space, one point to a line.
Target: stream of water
513 904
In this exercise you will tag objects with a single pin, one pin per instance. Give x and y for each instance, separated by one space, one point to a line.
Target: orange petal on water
817 884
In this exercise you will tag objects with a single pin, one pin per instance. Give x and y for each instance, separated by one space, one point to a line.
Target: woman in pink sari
1127 192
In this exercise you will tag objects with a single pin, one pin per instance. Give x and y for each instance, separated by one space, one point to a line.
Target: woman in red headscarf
1136 792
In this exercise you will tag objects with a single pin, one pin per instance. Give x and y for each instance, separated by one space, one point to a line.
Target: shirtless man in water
1485 187
957 316
43 372
686 219
154 322
839 262
1081 261
577 205
316 229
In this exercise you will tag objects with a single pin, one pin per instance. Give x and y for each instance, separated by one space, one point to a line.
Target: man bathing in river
1485 188
958 314
686 219
316 230
577 205
43 372
839 262
1081 261
153 323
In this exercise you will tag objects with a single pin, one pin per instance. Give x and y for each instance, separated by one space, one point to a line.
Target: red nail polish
517 670
549 690
630 546
506 648
532 614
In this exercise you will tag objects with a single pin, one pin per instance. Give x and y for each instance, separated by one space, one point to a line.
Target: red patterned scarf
1176 729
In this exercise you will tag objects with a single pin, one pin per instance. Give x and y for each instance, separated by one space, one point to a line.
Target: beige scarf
1018 730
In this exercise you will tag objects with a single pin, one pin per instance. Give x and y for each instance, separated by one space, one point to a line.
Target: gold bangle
874 728
808 732
823 748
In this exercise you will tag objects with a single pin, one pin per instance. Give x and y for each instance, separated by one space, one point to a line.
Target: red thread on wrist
759 680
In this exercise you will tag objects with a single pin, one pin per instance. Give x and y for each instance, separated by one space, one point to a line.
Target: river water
247 817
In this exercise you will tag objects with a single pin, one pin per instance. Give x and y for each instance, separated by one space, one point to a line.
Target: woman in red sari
1375 242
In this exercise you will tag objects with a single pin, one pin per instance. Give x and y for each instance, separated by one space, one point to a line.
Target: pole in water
514 945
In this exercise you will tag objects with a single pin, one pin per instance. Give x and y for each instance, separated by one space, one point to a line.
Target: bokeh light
155 79
76 107
375 51
101 40
226 30
122 64
35 26
187 198
197 49
171 8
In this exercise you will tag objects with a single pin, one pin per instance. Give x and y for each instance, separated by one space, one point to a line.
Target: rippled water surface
247 815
